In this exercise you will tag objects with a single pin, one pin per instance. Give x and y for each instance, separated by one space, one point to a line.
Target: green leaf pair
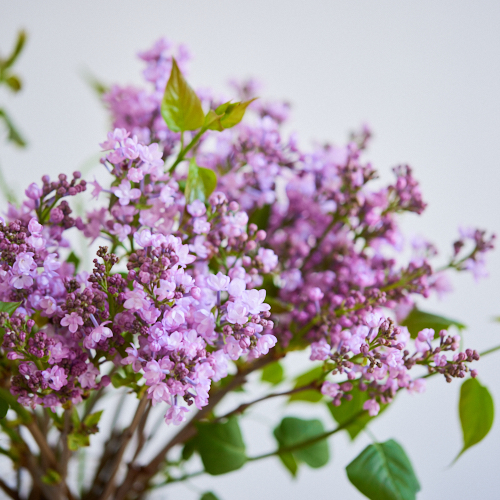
291 433
182 111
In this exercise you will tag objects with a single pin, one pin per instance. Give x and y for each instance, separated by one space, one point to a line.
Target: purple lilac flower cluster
180 290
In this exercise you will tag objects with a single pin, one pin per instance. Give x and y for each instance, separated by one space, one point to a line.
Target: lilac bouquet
220 247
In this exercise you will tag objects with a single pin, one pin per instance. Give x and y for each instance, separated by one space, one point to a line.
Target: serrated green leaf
273 373
181 108
477 412
382 471
9 307
200 183
309 395
293 431
221 446
417 320
4 408
349 410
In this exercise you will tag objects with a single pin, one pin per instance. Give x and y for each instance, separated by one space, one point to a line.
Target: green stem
184 151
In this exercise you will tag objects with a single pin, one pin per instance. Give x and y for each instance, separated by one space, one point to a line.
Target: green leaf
95 84
260 216
9 307
277 306
212 121
13 134
293 431
189 449
209 496
200 183
93 419
273 373
476 411
129 379
11 400
4 408
14 83
73 259
75 418
383 472
181 108
309 395
51 477
417 320
77 440
221 446
232 112
21 40
349 409
288 460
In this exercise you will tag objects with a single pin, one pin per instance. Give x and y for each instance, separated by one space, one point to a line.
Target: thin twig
141 475
244 406
44 447
141 435
127 436
9 491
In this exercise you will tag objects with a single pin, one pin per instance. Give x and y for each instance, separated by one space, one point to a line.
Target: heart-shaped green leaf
221 446
382 471
291 433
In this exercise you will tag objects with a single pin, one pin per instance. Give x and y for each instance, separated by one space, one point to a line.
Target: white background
425 75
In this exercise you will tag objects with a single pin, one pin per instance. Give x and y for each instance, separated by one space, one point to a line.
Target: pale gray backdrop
425 75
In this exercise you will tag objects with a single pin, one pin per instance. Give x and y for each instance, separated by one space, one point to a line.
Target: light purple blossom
56 377
72 321
125 193
175 415
372 406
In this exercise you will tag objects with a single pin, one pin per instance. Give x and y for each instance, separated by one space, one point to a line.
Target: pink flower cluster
180 290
